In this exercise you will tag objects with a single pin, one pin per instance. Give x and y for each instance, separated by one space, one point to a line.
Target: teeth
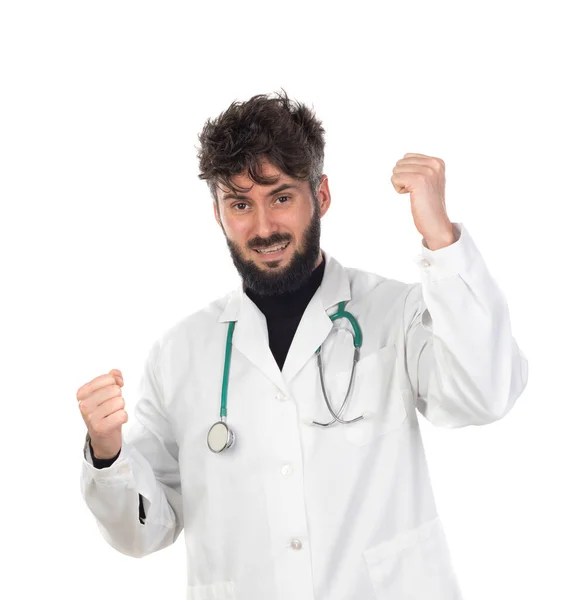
273 249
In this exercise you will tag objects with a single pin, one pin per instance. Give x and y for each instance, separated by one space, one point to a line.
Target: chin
274 265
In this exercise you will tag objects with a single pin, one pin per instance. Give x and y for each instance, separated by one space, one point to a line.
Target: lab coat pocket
414 564
376 394
223 590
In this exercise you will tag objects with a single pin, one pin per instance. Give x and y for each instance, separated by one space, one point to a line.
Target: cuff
450 260
121 466
99 463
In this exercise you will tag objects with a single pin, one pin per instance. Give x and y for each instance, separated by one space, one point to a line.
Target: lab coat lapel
315 323
250 336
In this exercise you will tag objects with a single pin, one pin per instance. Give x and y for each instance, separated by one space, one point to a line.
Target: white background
107 238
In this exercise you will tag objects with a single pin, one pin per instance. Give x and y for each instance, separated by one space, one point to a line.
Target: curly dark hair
281 130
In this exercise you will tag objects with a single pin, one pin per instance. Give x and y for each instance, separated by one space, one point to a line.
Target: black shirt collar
289 303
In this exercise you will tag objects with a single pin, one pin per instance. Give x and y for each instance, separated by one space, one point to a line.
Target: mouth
273 251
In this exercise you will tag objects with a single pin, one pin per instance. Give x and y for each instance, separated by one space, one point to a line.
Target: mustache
272 240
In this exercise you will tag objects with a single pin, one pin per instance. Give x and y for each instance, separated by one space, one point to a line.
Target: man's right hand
102 406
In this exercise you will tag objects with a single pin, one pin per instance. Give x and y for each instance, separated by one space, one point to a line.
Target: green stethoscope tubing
357 342
343 314
225 384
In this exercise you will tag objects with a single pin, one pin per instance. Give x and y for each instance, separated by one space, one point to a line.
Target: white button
281 396
296 545
124 469
287 470
425 263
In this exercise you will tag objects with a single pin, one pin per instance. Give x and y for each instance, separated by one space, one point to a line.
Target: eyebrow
284 186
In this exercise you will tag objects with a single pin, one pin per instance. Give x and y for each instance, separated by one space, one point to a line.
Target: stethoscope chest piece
220 437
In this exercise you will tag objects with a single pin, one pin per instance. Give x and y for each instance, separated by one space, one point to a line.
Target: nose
265 225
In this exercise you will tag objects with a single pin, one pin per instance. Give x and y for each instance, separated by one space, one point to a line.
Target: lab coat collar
251 337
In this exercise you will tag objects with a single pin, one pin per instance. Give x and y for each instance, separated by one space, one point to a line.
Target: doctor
278 427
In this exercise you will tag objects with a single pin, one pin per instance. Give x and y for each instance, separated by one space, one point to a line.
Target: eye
283 197
235 206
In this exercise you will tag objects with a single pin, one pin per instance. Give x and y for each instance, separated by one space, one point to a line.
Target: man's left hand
423 177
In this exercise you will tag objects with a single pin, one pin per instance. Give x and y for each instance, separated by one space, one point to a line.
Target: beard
284 280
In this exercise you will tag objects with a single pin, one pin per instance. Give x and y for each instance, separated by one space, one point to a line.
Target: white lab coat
294 511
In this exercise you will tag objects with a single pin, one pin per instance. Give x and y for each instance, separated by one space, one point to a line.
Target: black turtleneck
284 311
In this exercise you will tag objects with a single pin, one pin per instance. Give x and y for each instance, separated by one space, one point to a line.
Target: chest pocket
376 394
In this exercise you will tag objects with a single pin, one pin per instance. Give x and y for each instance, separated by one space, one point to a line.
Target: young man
317 487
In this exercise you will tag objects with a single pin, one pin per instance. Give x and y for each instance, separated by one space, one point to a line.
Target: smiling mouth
272 249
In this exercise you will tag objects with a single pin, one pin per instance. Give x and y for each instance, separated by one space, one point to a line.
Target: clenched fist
424 178
102 407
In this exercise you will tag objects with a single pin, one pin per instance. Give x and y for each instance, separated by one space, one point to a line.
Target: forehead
243 181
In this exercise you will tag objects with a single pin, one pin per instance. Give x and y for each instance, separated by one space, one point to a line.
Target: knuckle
83 392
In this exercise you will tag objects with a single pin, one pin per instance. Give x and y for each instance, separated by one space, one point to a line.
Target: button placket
286 497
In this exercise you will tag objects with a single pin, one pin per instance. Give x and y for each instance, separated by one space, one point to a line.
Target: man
275 504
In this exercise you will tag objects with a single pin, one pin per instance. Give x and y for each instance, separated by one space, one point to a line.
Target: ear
216 212
323 195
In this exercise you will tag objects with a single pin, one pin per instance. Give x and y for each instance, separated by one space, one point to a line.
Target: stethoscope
220 435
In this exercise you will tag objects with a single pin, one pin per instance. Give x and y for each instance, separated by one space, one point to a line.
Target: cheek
293 222
300 225
235 229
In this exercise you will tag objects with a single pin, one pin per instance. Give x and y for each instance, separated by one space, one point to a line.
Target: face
273 231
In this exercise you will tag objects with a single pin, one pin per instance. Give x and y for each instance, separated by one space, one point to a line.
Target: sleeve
143 481
464 365
102 463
